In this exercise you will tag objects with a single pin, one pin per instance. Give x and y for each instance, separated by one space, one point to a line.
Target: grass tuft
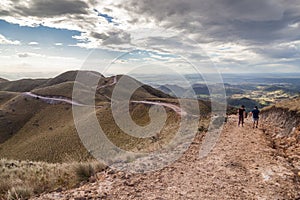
20 192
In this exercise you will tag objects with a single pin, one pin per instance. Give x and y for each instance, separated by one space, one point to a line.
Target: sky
47 37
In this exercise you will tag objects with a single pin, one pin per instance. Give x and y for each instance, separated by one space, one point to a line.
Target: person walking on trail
242 115
255 115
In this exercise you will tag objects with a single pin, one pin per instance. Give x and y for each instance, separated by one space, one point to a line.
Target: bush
84 171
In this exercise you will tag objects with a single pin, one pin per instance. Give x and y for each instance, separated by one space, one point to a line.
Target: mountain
283 88
36 118
248 103
173 90
200 89
71 76
23 85
3 80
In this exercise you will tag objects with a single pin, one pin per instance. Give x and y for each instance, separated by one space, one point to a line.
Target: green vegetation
47 133
267 94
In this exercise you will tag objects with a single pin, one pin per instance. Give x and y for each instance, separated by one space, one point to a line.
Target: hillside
70 76
3 80
23 85
33 126
248 103
6 96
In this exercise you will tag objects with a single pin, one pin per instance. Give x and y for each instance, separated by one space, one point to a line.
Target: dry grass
66 90
23 85
49 135
290 104
21 179
139 114
6 96
31 129
19 192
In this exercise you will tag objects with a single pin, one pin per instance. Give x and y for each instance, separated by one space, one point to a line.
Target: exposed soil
243 165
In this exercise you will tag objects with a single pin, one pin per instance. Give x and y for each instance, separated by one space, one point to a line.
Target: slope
23 85
34 129
284 117
241 166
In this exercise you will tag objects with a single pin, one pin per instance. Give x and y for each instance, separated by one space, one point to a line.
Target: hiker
255 115
242 114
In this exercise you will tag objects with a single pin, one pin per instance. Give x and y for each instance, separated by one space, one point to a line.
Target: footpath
243 165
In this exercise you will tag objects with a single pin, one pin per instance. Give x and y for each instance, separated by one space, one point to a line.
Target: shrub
84 171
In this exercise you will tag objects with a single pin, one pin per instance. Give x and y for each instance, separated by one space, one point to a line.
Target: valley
243 89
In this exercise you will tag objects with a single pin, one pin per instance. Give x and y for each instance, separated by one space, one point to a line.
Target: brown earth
243 165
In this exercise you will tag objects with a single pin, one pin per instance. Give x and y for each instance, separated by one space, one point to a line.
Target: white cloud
35 62
33 43
5 41
58 44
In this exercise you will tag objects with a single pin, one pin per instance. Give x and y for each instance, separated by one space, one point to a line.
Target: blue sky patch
45 36
108 18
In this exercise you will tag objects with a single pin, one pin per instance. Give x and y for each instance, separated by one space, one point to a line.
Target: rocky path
241 166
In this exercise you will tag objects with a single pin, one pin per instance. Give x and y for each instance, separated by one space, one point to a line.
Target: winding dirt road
241 166
53 100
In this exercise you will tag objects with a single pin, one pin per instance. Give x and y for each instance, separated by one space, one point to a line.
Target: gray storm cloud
263 27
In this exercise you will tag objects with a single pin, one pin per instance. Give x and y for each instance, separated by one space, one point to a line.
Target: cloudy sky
52 36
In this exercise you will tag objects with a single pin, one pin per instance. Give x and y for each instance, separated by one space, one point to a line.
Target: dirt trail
53 100
59 99
241 166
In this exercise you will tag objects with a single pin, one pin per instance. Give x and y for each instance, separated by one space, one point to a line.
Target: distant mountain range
250 94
